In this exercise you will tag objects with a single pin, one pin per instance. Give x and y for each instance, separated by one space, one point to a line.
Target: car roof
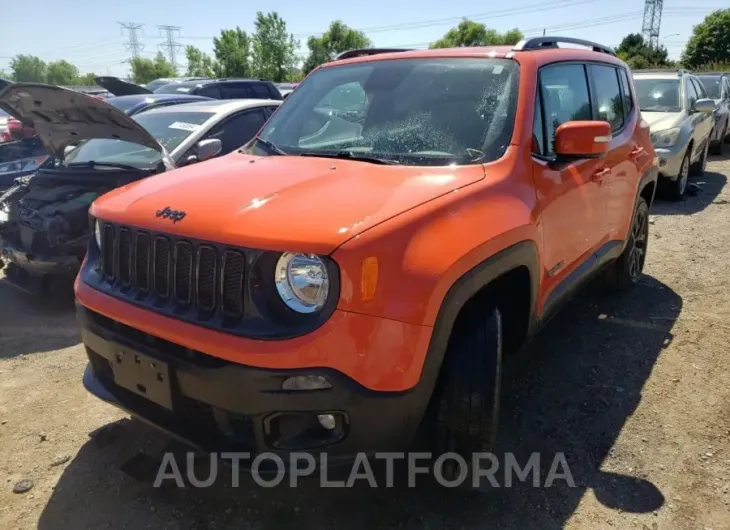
203 82
669 74
218 106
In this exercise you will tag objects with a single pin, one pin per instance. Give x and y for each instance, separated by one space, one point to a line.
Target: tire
675 189
465 413
717 147
624 273
698 168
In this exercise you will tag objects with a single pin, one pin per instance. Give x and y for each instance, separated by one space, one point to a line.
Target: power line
133 45
170 43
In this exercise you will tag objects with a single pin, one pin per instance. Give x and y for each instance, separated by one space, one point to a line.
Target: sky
89 34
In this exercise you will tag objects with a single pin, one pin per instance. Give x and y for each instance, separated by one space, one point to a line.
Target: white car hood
62 117
659 121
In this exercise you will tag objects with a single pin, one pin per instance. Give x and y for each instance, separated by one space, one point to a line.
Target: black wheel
675 188
698 168
465 411
623 273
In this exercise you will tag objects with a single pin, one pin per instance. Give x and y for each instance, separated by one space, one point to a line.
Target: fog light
306 382
327 421
662 162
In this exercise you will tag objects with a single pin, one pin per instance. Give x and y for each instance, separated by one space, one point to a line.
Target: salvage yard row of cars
343 269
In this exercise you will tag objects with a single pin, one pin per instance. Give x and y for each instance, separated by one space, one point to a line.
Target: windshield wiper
93 164
350 155
270 146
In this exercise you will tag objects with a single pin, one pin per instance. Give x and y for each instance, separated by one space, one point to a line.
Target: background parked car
717 87
48 239
157 83
225 89
136 103
286 88
679 113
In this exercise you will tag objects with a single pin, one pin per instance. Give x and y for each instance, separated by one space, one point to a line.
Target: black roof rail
539 43
364 52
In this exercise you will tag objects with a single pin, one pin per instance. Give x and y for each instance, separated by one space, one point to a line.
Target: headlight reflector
97 234
665 138
302 281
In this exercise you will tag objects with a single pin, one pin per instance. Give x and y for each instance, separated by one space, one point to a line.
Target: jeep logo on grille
169 213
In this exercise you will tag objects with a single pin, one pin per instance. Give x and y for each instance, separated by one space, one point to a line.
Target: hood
62 117
659 121
280 202
117 87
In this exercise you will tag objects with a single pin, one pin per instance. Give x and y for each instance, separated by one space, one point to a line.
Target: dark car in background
157 83
286 88
44 224
717 87
225 89
136 103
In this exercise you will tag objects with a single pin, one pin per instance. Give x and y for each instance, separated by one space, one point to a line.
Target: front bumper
670 160
218 405
39 264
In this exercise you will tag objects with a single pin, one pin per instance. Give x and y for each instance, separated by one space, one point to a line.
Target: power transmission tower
133 45
170 43
652 21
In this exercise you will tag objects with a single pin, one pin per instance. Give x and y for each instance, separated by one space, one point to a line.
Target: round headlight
97 234
302 281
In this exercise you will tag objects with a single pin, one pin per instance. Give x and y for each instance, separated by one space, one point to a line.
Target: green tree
61 73
639 54
145 70
273 48
232 52
86 79
200 64
710 41
337 39
28 69
470 33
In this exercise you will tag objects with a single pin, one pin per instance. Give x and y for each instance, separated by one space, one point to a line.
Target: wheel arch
521 256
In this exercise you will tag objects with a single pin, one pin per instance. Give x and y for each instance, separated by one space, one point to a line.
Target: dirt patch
634 389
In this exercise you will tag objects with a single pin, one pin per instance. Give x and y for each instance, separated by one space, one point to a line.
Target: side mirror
583 139
205 150
704 105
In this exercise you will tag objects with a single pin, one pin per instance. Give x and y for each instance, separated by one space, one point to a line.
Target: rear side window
211 91
260 90
238 91
538 131
626 92
609 105
564 93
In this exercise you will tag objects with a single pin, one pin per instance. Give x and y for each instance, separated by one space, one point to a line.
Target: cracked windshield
414 112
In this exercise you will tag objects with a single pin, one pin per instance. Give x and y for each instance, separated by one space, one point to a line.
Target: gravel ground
634 389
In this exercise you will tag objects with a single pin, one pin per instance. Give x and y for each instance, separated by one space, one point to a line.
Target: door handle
599 175
636 153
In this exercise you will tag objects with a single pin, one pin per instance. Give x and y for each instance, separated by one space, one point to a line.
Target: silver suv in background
717 87
676 106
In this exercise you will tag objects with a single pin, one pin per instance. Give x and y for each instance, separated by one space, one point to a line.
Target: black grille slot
125 256
142 272
107 245
162 267
197 281
183 272
207 272
232 284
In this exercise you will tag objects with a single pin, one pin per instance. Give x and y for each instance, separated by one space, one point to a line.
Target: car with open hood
95 148
680 115
120 87
350 280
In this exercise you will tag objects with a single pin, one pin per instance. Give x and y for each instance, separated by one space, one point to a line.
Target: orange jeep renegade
352 278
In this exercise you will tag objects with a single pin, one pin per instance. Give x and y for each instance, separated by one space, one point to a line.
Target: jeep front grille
173 274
